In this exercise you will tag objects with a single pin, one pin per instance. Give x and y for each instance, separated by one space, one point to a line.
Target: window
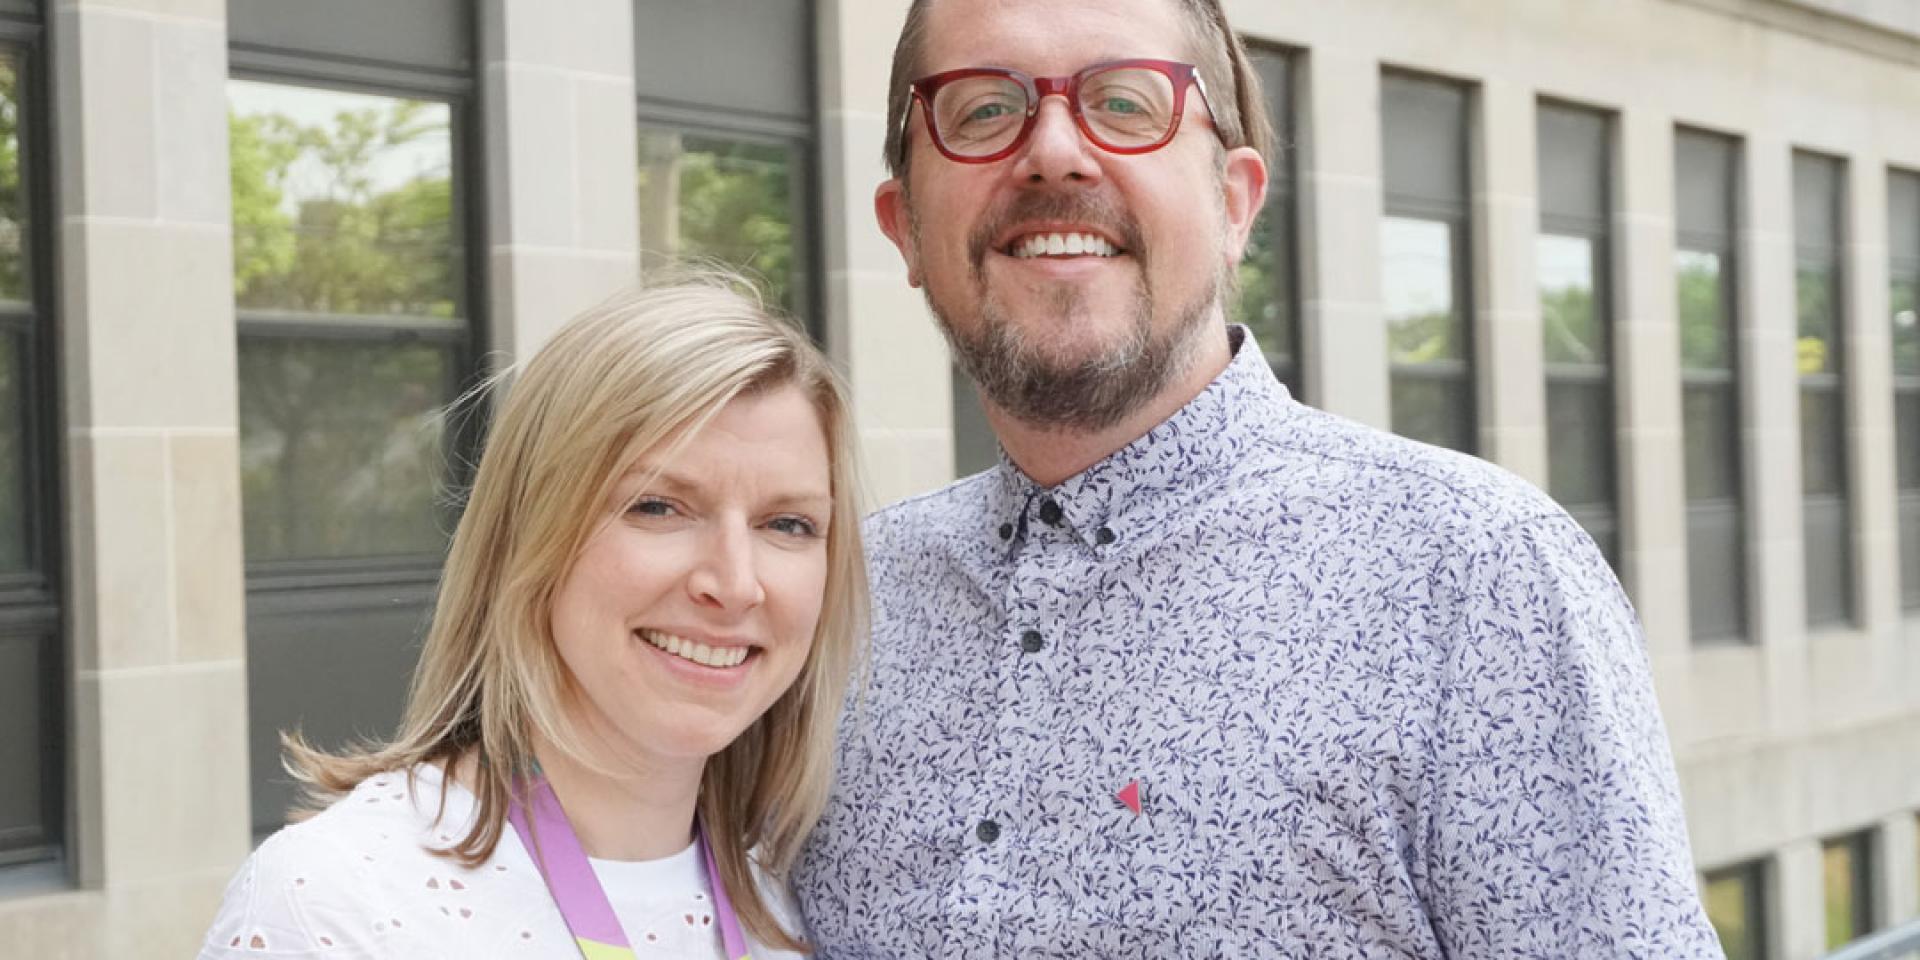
1736 902
32 671
726 148
353 283
1847 871
1903 243
1705 176
1424 272
1819 185
1570 258
1269 300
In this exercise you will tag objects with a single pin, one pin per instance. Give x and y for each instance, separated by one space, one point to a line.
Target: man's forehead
1050 36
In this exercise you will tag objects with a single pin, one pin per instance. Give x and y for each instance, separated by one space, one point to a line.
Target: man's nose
1057 149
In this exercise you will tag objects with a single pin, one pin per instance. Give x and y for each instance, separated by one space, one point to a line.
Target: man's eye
794 526
988 111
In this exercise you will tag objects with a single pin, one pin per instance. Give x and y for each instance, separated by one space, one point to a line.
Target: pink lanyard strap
576 890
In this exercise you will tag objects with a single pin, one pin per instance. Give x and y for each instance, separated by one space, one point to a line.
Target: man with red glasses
1197 671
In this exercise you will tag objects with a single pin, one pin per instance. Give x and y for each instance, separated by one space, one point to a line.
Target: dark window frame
465 333
32 601
1283 202
1729 381
1828 255
1865 873
660 110
1597 229
1756 878
1458 215
289 591
1906 268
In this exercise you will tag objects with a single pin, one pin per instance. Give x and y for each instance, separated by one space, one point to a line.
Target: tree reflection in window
731 200
347 278
14 341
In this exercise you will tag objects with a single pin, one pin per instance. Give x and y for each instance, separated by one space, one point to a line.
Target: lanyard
577 892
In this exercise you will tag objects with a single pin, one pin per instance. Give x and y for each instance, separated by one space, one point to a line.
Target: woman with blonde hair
621 727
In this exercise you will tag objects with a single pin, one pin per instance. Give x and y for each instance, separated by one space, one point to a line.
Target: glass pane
1827 545
1716 571
1266 300
1712 442
1704 340
1731 900
1564 266
1818 349
1840 870
1909 518
1580 443
13 460
15 278
1433 408
342 202
341 450
1823 441
1906 429
1416 276
23 684
1906 325
731 200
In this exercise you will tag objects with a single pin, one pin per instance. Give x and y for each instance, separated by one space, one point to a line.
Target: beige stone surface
209 604
173 771
123 599
150 305
111 135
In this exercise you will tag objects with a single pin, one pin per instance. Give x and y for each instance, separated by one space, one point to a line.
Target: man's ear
890 208
1244 184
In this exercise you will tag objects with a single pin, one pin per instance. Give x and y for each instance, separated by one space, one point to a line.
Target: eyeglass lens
1123 107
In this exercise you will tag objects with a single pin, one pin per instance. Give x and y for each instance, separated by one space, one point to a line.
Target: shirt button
1104 535
1049 512
1006 531
987 831
1031 642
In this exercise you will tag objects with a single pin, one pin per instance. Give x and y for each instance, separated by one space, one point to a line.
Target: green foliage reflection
346 240
1906 326
728 200
1727 900
1705 343
13 209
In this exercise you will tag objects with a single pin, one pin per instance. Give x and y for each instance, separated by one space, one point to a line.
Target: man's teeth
1063 244
685 649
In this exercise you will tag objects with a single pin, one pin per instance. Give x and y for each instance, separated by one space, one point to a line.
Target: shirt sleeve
1555 826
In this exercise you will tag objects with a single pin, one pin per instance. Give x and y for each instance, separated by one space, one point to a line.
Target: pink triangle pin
1130 795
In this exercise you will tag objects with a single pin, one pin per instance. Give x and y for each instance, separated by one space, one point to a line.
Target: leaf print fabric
1379 699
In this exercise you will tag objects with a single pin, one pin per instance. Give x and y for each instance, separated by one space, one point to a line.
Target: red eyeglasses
984 114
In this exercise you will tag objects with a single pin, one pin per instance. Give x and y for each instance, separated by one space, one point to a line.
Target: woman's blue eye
795 526
650 507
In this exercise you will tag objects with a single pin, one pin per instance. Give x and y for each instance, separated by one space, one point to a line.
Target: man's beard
1094 392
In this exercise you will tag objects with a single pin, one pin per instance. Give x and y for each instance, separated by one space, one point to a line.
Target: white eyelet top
360 880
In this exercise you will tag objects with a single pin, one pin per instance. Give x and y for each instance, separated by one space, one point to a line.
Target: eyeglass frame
1182 75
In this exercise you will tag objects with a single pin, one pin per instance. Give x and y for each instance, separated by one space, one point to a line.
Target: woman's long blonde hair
645 368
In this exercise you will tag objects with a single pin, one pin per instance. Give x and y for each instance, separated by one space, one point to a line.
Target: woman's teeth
700 653
1063 244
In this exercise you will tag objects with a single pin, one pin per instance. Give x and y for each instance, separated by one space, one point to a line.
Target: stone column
1799 903
878 328
1344 334
1653 499
156 596
1512 381
562 163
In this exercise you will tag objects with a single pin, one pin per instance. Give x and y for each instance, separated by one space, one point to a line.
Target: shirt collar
1136 488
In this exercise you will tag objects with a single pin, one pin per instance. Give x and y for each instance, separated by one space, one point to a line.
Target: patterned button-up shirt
1370 699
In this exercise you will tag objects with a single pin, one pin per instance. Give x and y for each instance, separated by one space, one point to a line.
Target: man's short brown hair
1233 88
